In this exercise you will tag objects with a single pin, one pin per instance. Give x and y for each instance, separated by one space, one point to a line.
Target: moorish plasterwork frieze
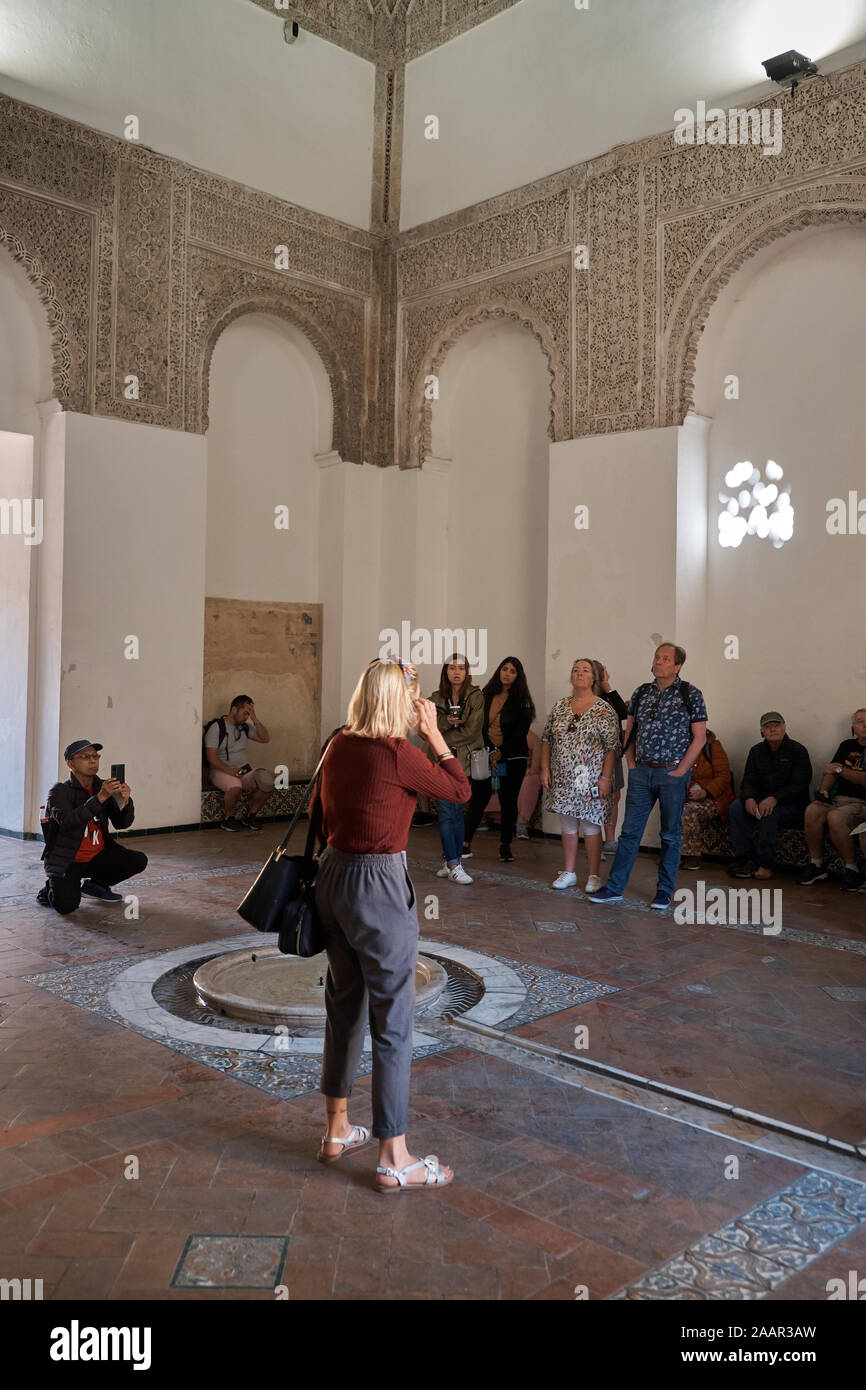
139 260
377 29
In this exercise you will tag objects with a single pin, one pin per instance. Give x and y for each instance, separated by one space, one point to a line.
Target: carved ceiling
387 30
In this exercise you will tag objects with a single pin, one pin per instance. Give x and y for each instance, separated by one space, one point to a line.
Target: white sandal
434 1176
347 1145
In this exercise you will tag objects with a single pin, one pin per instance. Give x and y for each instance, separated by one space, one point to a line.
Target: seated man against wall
225 745
81 855
773 796
839 806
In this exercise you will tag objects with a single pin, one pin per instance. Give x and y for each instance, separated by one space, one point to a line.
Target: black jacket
515 718
785 774
69 807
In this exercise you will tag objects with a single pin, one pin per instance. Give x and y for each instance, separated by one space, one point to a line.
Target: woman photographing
460 719
366 905
579 747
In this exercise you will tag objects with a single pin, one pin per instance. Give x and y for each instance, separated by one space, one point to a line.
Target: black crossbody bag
282 899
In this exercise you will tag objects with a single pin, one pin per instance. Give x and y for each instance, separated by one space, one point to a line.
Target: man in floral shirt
664 733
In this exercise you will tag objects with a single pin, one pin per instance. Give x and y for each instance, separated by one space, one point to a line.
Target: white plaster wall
212 83
270 414
25 380
613 585
46 626
793 333
545 85
353 535
491 420
16 558
133 564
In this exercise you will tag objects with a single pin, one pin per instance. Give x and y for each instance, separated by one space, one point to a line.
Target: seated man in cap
78 844
840 803
773 796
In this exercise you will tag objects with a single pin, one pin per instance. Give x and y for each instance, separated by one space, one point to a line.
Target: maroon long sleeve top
369 787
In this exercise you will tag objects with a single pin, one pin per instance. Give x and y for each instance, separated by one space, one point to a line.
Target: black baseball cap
79 746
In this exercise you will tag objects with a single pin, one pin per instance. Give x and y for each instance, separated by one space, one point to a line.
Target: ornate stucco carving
106 230
539 301
220 290
54 244
754 226
139 259
379 28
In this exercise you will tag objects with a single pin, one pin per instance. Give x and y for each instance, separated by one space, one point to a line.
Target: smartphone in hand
118 770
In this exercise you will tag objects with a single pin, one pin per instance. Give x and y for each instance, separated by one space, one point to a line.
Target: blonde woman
366 904
579 747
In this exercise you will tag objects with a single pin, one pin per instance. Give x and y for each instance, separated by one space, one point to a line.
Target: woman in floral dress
579 747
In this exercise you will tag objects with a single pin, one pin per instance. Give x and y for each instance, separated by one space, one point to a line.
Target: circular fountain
264 986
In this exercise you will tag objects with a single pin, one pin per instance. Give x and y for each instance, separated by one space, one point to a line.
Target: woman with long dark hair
460 718
508 713
366 904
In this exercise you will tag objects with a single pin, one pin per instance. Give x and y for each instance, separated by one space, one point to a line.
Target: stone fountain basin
261 985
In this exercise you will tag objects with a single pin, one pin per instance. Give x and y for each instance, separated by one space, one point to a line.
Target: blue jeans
646 786
451 830
765 832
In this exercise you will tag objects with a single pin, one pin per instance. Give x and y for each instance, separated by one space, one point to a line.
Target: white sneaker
593 883
458 875
523 832
443 872
565 880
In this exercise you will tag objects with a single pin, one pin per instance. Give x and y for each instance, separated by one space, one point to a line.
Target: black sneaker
505 854
42 897
813 873
251 822
232 825
100 891
850 880
467 851
741 868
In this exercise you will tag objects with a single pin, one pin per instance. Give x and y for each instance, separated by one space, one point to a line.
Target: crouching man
81 855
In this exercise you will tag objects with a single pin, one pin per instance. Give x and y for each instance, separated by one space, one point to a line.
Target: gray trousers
366 904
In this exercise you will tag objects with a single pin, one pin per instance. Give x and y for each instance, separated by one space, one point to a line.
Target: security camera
290 30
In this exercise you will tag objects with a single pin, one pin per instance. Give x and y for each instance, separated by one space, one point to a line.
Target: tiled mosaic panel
284 1076
287 1075
751 1256
230 1262
550 992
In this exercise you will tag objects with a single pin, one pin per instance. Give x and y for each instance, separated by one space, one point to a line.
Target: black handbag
282 899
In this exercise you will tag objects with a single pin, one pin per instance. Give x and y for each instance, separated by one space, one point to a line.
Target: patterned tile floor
133 1170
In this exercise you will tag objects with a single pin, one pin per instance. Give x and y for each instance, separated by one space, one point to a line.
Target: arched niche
778 372
26 354
270 418
750 231
422 401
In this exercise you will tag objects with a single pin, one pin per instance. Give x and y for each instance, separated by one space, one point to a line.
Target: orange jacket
712 771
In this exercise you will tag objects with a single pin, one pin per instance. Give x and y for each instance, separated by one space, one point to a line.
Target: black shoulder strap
686 697
637 699
316 813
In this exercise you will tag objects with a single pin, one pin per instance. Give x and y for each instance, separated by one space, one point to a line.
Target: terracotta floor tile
541 1234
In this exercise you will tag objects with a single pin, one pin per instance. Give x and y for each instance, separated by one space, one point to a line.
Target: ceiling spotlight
789 69
291 29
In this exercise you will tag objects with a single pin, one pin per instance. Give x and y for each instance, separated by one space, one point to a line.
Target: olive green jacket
467 736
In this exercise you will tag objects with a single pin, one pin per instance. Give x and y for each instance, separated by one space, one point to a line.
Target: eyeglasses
85 757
